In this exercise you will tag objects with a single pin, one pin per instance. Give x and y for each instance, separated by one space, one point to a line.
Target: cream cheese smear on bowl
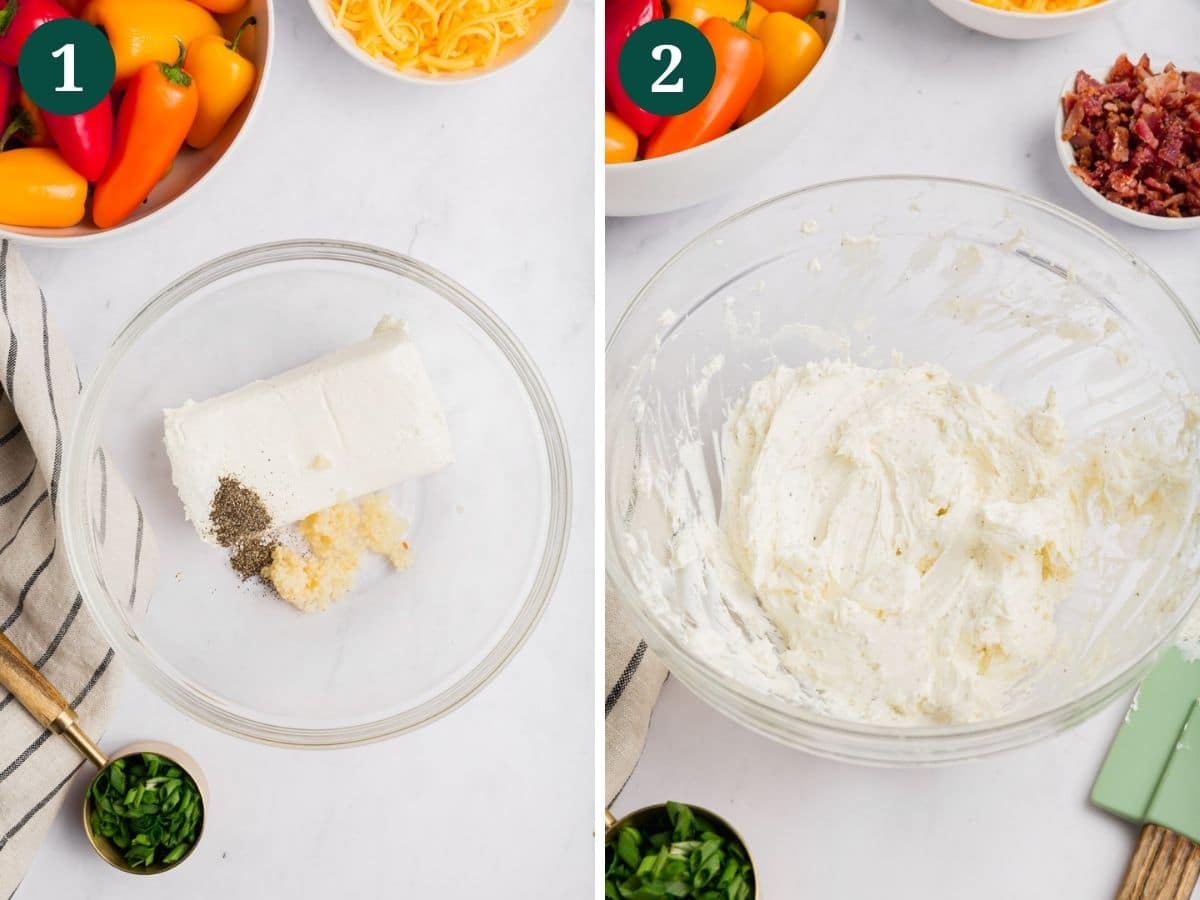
903 539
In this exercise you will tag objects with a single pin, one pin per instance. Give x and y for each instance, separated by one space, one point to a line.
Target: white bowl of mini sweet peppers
772 60
188 75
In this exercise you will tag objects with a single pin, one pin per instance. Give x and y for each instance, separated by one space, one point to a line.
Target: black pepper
251 555
237 512
239 519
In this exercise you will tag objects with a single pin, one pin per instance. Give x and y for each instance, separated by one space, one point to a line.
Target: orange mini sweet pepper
224 7
223 80
38 188
697 12
155 118
620 141
739 69
792 48
148 31
797 8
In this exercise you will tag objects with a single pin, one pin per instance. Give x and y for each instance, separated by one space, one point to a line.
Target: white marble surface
916 93
491 183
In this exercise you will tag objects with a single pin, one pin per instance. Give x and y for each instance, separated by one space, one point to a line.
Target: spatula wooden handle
30 686
1165 866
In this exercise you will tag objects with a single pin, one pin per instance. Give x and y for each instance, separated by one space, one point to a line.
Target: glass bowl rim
191 698
792 724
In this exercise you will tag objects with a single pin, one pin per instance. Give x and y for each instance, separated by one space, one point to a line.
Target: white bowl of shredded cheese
465 42
1027 19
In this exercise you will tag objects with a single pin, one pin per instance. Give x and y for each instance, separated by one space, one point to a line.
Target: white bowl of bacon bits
1129 139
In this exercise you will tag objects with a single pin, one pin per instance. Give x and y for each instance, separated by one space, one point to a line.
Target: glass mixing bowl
998 288
403 648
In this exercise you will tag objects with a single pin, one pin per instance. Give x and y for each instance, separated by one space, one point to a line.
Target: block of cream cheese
351 423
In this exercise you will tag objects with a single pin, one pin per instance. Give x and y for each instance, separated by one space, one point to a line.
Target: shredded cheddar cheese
436 35
1039 6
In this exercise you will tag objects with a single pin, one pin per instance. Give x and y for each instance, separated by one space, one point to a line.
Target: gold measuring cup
654 818
43 701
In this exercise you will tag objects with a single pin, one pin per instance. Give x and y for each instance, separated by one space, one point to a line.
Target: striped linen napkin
633 678
41 610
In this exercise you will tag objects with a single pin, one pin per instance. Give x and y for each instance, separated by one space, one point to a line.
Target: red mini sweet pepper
621 19
21 18
85 140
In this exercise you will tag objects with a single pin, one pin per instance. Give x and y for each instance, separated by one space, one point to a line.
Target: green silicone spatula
1152 776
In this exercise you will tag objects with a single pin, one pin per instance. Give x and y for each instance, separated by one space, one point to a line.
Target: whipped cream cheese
896 546
368 413
910 537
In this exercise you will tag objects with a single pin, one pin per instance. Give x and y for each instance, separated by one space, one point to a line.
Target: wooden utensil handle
1165 866
28 685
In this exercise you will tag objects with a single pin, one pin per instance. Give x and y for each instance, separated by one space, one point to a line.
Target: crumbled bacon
1136 136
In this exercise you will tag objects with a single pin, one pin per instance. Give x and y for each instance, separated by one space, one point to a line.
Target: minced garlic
337 539
383 532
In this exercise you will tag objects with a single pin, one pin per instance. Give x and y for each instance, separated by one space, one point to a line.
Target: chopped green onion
688 859
148 808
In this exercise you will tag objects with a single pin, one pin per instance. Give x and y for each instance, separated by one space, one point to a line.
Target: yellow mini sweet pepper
792 48
38 189
620 141
148 31
697 12
223 78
